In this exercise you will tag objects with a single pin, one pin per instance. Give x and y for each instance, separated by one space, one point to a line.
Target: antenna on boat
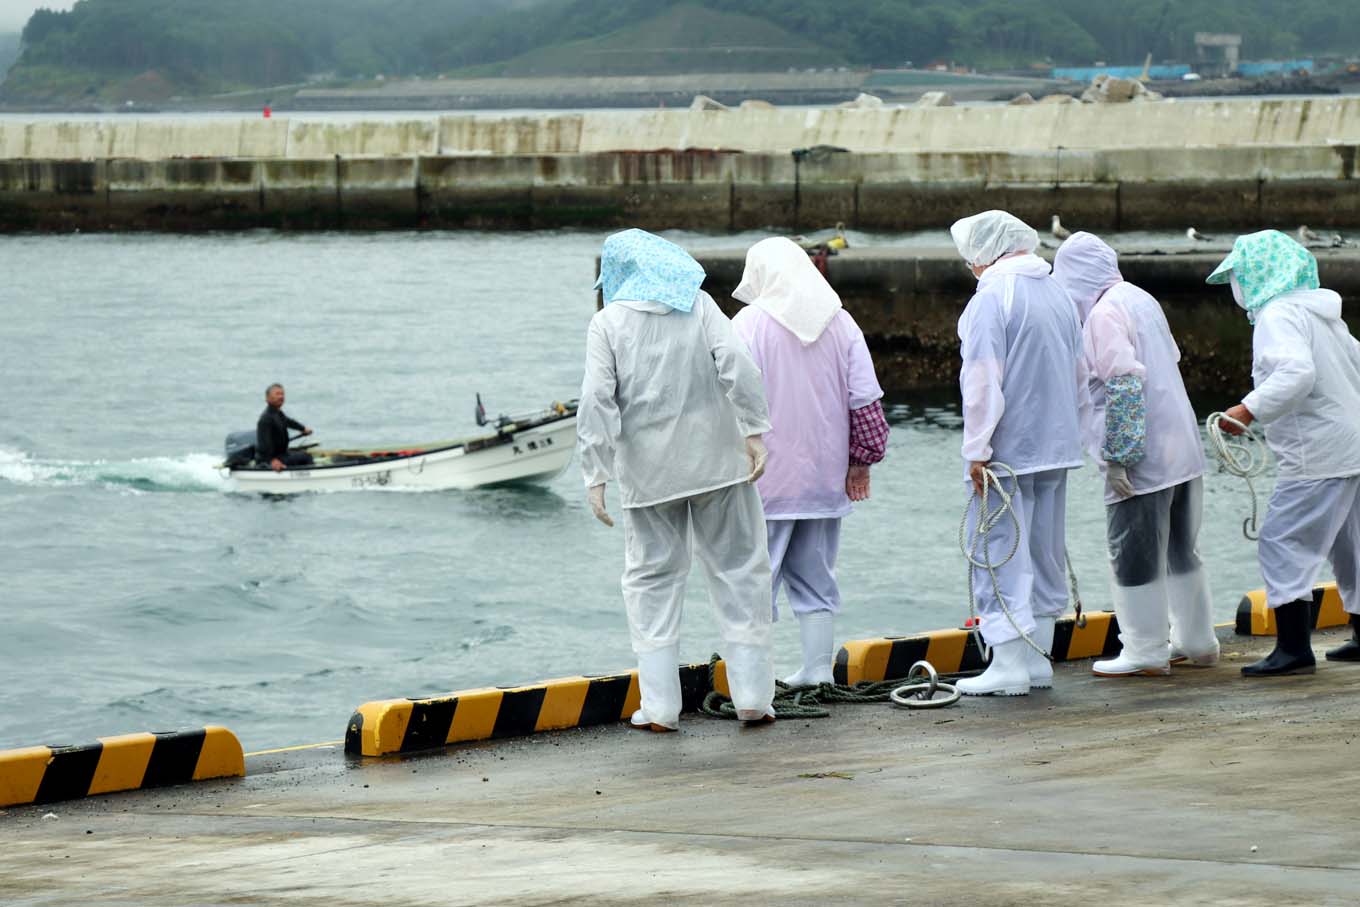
481 411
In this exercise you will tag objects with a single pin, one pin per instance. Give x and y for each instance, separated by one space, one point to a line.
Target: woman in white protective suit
1143 432
828 428
1023 381
1306 371
672 408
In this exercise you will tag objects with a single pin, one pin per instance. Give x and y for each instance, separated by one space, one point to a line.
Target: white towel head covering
781 281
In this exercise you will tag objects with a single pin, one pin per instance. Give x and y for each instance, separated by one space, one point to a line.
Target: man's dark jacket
271 434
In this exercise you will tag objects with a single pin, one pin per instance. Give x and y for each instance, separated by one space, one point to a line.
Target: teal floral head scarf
1266 265
642 267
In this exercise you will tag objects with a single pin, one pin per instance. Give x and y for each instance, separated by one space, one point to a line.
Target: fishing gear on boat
1243 455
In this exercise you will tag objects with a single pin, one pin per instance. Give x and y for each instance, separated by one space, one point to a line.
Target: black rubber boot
1349 650
1293 643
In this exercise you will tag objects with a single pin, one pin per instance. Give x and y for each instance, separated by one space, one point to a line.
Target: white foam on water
190 472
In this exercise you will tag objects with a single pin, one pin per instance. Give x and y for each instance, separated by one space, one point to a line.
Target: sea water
138 593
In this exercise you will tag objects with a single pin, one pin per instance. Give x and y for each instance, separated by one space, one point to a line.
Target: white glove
596 497
1118 478
756 455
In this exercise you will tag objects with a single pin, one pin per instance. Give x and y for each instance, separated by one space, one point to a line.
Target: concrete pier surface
1200 788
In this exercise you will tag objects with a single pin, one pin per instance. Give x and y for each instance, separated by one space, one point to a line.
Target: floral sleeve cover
1125 420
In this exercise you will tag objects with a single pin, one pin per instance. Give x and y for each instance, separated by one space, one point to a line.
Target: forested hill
102 47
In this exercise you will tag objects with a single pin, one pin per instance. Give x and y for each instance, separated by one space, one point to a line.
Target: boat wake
189 473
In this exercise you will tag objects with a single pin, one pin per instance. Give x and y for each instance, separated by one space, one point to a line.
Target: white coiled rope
1244 456
987 521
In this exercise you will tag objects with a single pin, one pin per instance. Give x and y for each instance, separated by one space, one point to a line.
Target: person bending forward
1142 431
672 409
1306 371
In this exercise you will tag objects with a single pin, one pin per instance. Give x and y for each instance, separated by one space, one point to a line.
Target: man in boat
672 410
271 434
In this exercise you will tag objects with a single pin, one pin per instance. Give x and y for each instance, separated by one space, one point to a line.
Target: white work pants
728 531
1307 522
1034 582
1159 579
803 561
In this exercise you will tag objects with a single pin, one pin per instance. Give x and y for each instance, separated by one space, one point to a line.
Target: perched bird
1338 241
1192 233
1058 230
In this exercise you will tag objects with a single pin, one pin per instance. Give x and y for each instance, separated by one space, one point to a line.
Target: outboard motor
240 448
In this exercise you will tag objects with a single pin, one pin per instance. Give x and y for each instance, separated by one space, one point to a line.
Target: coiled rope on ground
811 700
1244 456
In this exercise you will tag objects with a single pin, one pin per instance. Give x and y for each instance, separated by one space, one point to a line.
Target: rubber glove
757 456
596 498
1118 477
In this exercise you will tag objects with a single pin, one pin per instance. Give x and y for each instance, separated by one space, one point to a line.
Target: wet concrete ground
1201 788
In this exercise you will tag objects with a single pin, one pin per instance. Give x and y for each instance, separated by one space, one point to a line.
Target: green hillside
686 38
9 52
102 50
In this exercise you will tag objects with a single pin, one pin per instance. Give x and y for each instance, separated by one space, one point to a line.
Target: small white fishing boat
529 448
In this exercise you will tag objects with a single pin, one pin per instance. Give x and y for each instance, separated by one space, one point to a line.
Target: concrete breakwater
1211 164
1122 189
908 302
1177 125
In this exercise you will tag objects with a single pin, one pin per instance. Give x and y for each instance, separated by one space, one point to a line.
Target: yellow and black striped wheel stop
45 774
955 652
1254 618
408 725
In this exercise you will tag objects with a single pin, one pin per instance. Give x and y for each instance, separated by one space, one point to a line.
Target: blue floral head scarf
641 267
1266 265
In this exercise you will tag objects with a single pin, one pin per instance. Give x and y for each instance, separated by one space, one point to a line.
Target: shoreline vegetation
200 54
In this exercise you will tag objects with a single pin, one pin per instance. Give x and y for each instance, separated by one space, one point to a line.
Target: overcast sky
14 13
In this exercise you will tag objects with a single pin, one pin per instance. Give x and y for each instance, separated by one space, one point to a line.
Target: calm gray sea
139 595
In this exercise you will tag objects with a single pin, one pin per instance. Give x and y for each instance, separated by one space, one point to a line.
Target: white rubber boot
1007 675
659 684
818 632
1142 612
1193 640
1041 668
750 680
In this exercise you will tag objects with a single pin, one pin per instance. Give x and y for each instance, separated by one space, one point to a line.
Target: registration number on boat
374 478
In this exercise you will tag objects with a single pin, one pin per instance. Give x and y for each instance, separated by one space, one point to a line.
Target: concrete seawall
1232 164
1207 123
1230 188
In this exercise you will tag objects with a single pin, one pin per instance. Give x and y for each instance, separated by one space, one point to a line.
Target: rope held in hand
1244 456
987 521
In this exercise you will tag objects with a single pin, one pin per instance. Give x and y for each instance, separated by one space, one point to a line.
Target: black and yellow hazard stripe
955 652
45 774
1254 618
408 725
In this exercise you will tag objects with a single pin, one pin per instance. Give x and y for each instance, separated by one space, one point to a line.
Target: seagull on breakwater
1058 230
1313 240
1192 233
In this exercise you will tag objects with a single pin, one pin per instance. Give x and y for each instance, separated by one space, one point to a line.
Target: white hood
1323 303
